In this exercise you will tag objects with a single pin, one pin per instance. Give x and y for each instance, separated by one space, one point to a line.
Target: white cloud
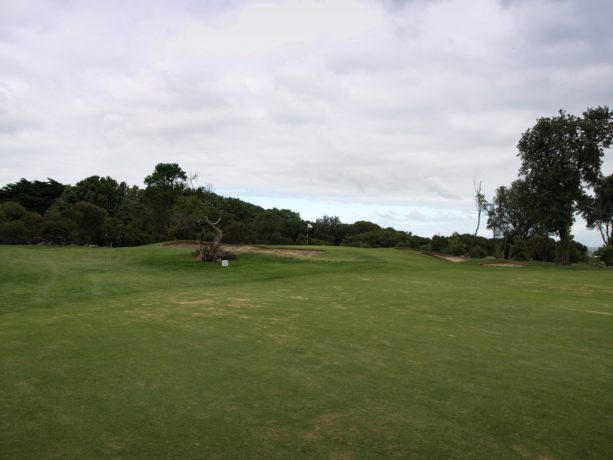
386 103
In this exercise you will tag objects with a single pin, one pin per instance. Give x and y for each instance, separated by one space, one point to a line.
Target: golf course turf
354 353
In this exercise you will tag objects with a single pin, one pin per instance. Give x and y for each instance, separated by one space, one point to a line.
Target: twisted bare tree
210 252
480 202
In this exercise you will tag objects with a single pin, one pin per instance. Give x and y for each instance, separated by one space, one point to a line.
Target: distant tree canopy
104 192
35 196
560 176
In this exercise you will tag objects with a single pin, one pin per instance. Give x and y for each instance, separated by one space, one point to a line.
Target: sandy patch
593 312
503 264
193 302
250 248
454 259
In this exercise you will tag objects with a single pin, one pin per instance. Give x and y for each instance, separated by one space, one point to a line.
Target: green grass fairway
360 353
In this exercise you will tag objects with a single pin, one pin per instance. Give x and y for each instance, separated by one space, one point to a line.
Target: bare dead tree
480 203
212 251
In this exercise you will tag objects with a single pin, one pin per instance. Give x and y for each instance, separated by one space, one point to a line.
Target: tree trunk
209 253
214 247
564 252
505 247
201 255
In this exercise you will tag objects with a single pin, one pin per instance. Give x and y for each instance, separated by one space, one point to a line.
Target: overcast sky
384 110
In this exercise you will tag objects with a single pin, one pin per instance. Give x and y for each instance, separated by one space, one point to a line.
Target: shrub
236 233
14 232
477 252
58 229
541 248
439 243
605 254
519 250
455 246
13 210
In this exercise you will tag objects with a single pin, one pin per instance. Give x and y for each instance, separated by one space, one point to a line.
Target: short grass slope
143 353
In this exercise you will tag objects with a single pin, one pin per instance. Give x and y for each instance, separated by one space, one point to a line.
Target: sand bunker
294 252
503 264
454 259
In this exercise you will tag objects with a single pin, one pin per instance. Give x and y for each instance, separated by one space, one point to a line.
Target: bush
542 248
236 233
386 238
605 254
455 246
578 252
13 210
58 229
14 232
519 250
477 252
439 243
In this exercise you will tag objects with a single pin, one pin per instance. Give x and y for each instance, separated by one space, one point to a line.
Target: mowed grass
144 353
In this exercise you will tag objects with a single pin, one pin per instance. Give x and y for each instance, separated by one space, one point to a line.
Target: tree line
560 177
102 211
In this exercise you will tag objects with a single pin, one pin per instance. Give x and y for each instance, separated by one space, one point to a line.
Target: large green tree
104 192
561 158
598 209
511 213
164 186
35 196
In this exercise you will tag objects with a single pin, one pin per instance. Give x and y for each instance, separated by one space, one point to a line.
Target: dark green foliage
186 211
519 249
35 196
329 229
361 226
58 229
14 232
477 252
511 212
605 254
267 227
416 242
17 224
381 238
292 226
598 209
560 156
439 243
237 233
578 252
541 248
456 246
89 222
167 176
164 186
12 210
104 192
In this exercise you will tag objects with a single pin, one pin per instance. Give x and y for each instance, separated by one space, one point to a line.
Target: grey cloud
408 108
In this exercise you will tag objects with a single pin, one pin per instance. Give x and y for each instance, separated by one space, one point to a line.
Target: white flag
309 226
